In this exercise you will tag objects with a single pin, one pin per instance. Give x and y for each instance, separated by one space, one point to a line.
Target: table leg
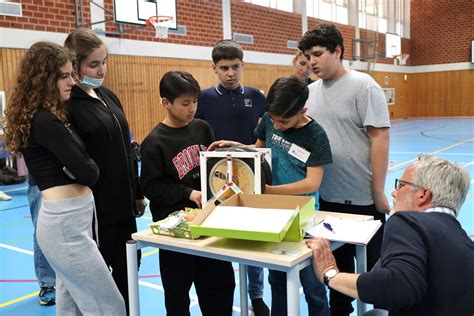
293 291
361 256
132 273
244 304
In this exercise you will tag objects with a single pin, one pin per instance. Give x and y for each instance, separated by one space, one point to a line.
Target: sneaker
47 296
260 308
4 196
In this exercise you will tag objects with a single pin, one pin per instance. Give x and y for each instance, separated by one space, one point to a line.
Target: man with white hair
427 260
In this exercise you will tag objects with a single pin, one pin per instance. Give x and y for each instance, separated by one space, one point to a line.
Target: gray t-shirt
344 108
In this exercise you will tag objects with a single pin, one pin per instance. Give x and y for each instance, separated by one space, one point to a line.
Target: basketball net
157 22
402 59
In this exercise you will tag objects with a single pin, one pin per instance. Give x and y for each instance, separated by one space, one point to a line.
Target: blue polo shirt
232 114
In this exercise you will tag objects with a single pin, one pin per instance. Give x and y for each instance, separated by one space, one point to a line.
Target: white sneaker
4 196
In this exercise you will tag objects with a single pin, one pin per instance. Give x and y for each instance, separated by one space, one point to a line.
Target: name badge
299 153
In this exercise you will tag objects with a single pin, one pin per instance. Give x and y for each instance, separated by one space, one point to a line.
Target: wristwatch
328 275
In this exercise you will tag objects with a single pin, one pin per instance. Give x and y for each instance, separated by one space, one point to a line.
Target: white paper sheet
345 230
249 218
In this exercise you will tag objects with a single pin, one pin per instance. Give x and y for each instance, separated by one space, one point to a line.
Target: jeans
44 272
255 275
314 291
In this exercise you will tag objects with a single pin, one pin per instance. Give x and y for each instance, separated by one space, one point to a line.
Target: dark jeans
340 304
44 272
213 280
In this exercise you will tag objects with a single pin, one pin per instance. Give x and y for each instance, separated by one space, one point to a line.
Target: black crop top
52 146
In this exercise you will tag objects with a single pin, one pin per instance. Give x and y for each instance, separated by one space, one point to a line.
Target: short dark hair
324 35
175 84
287 96
227 49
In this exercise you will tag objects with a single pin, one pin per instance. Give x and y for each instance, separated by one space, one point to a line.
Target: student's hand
323 259
222 144
195 196
140 206
381 202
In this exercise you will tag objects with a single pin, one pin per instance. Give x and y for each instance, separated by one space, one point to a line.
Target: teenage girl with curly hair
37 126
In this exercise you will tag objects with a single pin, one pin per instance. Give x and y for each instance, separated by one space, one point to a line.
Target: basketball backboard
138 11
393 45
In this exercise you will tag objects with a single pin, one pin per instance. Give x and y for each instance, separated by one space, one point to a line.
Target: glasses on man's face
401 183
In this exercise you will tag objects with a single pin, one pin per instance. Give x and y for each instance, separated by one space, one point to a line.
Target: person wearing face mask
100 121
37 125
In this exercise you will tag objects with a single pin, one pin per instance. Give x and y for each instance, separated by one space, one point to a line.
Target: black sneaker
260 308
47 296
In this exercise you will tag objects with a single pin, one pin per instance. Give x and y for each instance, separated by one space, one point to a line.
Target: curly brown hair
36 88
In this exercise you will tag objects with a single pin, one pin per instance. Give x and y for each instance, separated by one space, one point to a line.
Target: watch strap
326 278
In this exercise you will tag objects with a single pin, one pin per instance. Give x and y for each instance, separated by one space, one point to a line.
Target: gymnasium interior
421 53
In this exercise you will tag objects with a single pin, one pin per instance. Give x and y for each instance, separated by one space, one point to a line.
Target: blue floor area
452 139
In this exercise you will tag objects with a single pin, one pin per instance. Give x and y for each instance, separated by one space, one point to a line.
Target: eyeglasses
401 183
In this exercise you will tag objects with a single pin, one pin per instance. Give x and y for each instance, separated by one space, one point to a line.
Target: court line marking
431 153
146 254
468 164
19 299
193 297
28 252
16 189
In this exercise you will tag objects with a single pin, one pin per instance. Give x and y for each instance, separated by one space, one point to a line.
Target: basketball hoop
157 22
402 59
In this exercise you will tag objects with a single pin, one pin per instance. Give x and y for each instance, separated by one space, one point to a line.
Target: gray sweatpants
84 285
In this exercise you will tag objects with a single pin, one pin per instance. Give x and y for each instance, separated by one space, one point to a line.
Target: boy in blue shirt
300 149
233 111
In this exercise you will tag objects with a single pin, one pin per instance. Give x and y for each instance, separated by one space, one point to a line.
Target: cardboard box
302 207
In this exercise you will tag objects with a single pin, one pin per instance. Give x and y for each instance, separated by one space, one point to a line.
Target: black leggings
213 279
112 246
341 304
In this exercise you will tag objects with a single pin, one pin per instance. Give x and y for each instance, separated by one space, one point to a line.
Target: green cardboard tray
303 207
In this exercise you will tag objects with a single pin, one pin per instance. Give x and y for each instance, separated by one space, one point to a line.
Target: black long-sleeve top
426 267
53 145
171 167
106 134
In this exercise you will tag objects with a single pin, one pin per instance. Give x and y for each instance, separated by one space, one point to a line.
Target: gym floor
451 138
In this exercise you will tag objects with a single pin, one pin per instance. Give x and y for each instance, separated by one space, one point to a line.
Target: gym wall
420 91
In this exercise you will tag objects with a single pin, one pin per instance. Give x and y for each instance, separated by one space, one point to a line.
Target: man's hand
381 202
195 196
323 259
140 206
222 144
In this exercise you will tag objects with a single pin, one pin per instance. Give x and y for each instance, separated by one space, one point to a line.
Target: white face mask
92 83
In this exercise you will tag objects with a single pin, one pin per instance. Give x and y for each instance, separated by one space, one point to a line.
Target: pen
328 227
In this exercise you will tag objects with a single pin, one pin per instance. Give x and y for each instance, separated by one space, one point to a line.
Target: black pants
213 279
112 246
340 304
